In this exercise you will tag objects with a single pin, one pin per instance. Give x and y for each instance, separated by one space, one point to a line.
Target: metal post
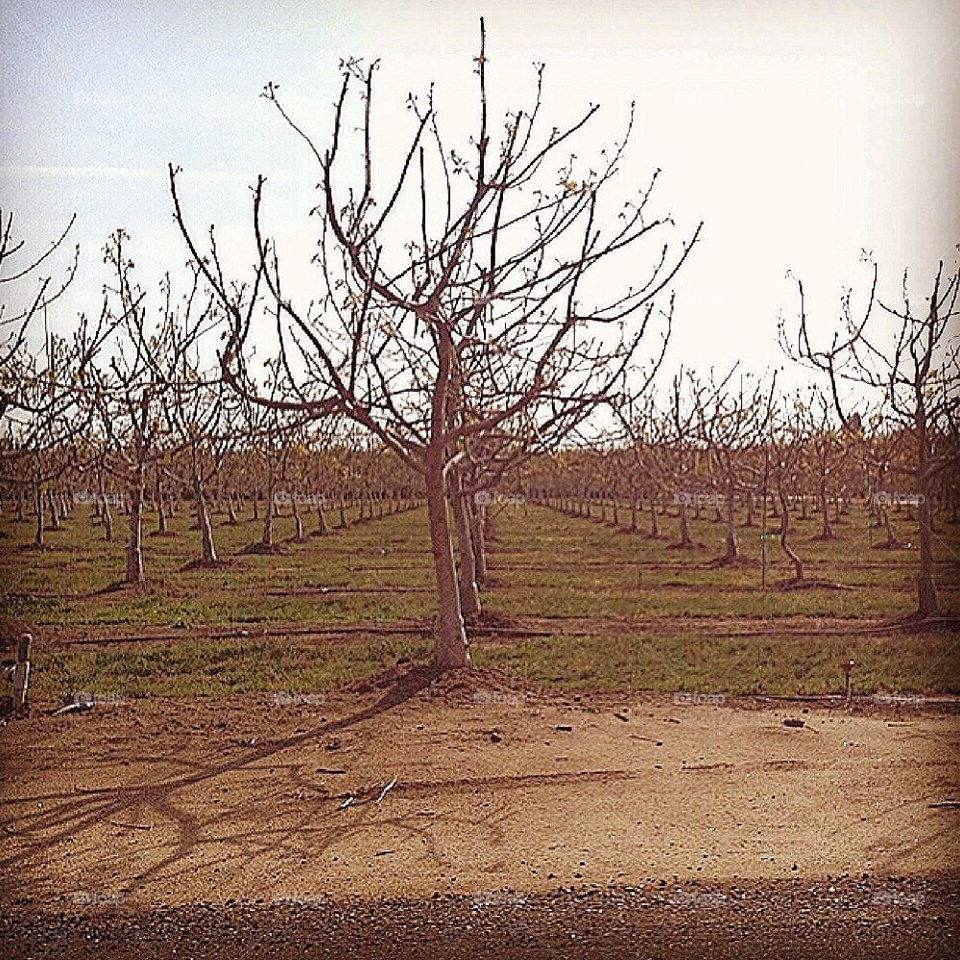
848 682
21 673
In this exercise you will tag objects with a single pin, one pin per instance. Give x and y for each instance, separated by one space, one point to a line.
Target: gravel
841 918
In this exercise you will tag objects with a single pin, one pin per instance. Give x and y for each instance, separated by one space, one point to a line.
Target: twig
387 789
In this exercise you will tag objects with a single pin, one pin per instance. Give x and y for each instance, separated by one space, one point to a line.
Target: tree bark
298 520
321 519
927 602
467 571
134 572
269 510
54 512
826 532
784 531
38 537
685 539
451 650
106 517
161 511
732 552
479 540
207 546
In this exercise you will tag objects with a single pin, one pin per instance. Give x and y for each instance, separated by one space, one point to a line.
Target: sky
802 133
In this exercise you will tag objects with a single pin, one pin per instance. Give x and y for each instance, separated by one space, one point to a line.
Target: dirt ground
474 791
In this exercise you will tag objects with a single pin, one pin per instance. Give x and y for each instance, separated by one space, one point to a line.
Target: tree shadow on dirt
87 809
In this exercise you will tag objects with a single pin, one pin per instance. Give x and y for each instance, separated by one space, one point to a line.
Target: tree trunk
731 553
134 573
54 512
478 539
826 532
268 511
467 571
297 519
106 517
451 648
927 602
784 531
207 546
685 539
161 510
38 538
892 540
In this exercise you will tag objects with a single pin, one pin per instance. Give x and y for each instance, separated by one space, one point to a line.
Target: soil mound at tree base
425 683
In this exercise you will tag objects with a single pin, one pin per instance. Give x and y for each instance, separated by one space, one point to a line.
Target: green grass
926 663
208 669
69 584
922 663
542 564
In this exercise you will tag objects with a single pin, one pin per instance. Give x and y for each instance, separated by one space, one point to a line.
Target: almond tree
49 414
786 442
684 456
503 257
130 398
22 309
197 416
37 369
643 434
731 419
914 376
825 448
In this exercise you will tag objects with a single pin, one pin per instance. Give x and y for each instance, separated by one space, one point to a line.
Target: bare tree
130 398
21 309
786 442
492 314
915 377
196 414
731 419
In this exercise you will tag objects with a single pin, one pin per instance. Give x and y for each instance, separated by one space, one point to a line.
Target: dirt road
464 797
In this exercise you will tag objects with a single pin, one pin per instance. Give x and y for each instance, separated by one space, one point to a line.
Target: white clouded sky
800 132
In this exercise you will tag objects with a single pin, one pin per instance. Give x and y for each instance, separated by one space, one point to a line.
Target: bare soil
507 805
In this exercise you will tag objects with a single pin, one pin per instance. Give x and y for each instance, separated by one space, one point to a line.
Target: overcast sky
800 132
